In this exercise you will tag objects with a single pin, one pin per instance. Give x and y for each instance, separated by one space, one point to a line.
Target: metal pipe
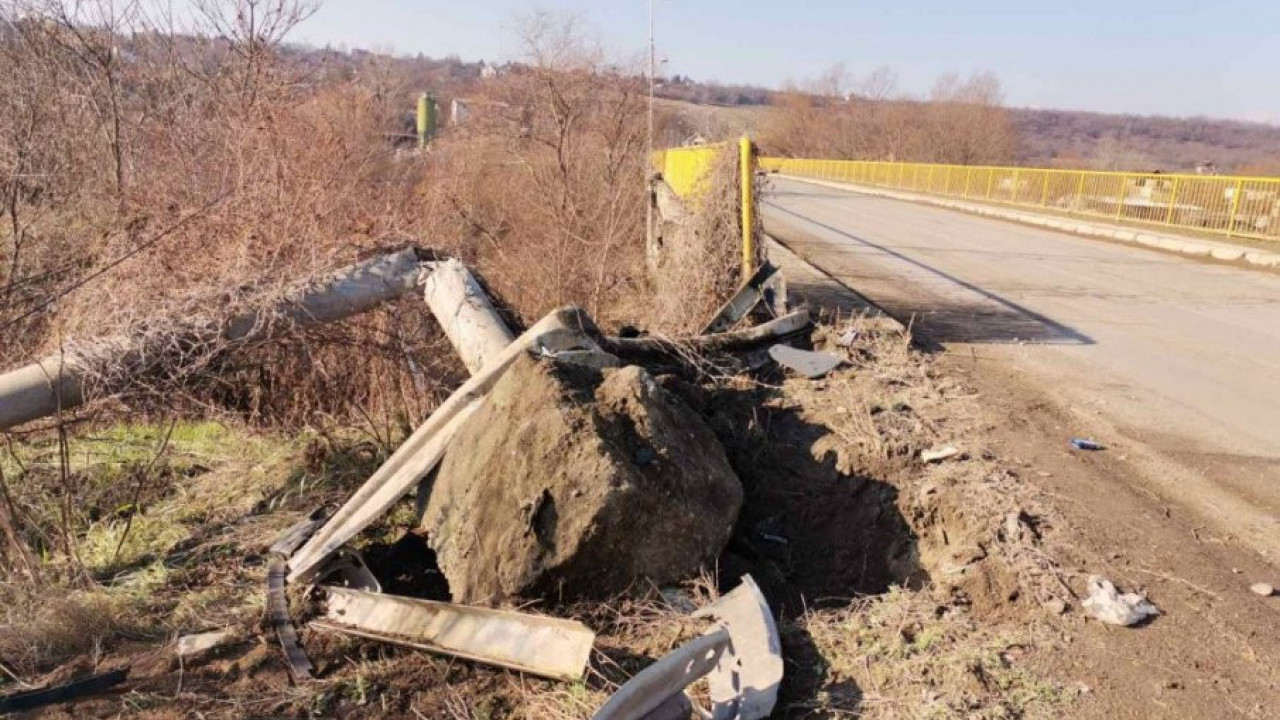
56 382
474 328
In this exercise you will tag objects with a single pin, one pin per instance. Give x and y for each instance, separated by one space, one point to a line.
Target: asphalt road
1169 360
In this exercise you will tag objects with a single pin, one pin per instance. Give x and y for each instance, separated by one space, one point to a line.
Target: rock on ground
572 482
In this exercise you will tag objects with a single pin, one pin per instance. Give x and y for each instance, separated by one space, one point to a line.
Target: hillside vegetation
871 119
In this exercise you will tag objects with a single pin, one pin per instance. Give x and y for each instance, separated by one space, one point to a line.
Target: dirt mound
576 483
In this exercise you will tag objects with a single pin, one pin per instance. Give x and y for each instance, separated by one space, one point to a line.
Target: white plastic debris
938 454
1105 603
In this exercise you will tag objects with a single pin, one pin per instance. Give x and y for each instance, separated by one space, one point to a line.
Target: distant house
488 71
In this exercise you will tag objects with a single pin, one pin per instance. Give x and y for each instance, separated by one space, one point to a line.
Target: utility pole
650 231
653 71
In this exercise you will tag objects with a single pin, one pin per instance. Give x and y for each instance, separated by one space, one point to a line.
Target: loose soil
903 588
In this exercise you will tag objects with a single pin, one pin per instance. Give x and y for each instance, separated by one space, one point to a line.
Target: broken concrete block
190 646
575 482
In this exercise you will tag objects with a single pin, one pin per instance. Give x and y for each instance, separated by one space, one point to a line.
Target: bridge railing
687 170
1224 205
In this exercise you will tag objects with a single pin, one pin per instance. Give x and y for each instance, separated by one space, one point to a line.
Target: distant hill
1057 138
1060 138
1128 142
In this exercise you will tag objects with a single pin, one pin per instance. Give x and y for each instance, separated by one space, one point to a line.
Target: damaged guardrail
740 655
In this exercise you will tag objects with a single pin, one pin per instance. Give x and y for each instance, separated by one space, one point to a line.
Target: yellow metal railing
1224 205
687 170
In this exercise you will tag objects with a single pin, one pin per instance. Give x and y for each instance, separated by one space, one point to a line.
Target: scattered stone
679 600
938 454
190 646
1105 603
1262 589
572 482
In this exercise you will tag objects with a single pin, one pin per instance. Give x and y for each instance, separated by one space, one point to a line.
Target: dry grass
701 260
903 655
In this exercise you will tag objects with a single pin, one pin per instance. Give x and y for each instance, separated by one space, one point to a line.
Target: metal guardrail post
1173 200
1235 207
746 158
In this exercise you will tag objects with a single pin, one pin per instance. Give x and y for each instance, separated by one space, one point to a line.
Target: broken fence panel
743 301
544 646
654 686
744 685
741 657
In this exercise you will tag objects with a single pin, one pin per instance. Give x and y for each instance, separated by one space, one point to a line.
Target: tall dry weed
701 259
159 176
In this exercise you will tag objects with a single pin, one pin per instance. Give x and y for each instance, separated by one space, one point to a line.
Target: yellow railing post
1121 195
746 156
1235 207
1173 200
1044 196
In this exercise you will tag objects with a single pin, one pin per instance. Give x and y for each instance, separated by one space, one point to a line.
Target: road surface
1168 359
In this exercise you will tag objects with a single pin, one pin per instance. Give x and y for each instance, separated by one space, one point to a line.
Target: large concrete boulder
572 482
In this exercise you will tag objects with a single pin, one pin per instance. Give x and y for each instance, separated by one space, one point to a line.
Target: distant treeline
1060 138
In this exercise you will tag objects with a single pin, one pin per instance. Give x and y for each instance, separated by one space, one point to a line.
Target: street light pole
653 71
650 230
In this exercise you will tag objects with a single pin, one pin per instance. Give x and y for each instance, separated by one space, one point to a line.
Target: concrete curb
1137 236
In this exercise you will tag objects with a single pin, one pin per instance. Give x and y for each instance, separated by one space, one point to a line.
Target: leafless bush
546 180
160 169
701 262
961 122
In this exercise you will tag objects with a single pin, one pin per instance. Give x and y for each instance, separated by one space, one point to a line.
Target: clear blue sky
1219 58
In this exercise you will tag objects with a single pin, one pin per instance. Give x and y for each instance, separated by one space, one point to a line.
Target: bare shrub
38 632
162 170
701 263
961 122
545 183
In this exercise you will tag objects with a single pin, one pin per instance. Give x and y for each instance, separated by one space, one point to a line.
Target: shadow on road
985 318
